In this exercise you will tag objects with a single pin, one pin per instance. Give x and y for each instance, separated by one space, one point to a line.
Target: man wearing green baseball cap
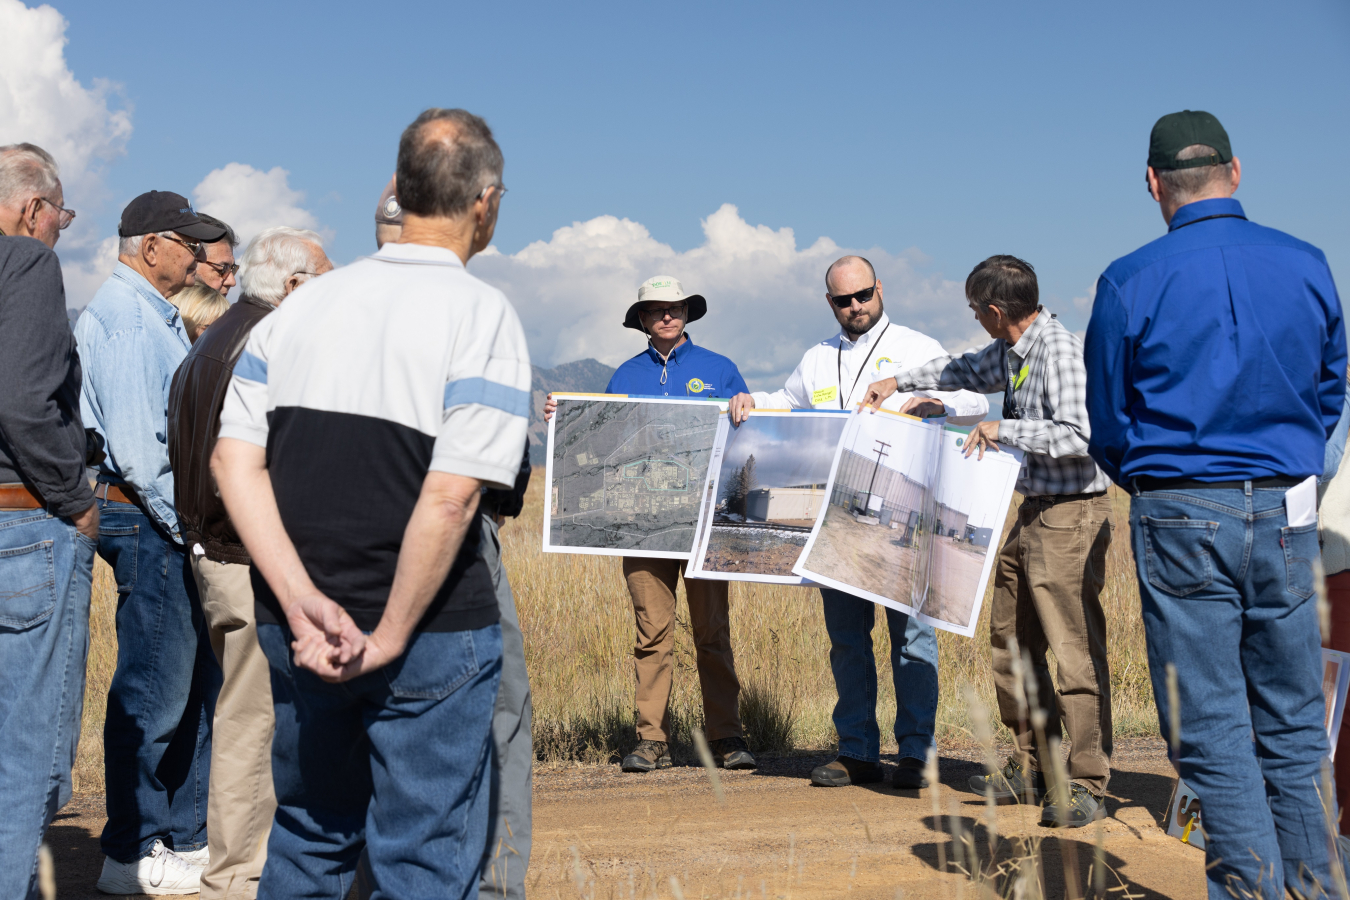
1216 374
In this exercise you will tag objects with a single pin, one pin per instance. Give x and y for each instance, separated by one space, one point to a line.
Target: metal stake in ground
882 447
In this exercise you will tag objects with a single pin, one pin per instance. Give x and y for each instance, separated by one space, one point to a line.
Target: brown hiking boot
845 771
732 753
647 755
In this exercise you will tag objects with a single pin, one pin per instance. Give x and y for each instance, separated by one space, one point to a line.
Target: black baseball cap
1175 132
156 211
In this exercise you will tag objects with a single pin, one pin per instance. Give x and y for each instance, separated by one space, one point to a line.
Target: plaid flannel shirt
1044 386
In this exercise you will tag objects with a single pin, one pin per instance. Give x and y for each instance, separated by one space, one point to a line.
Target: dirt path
779 837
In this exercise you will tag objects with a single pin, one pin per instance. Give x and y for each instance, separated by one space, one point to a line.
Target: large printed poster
766 487
625 474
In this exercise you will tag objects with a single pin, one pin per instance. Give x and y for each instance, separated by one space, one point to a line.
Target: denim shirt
131 341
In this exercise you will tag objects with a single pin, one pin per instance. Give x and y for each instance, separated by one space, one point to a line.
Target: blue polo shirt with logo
691 371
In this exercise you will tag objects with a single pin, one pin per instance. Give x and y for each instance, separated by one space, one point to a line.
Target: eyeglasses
193 247
224 270
67 215
675 312
501 192
844 301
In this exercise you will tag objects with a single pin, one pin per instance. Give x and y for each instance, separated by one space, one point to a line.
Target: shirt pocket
27 586
1179 554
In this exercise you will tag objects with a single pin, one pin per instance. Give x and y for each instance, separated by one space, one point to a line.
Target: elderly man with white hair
239 812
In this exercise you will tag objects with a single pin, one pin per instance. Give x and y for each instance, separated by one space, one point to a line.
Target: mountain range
584 376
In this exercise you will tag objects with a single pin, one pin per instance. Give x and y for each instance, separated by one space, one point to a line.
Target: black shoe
845 771
909 776
732 753
647 755
1010 783
1082 809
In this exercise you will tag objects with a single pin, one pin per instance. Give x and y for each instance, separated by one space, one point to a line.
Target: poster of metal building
766 488
625 474
911 523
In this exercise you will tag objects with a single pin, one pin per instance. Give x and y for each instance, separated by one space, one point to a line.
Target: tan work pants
652 583
241 802
1047 595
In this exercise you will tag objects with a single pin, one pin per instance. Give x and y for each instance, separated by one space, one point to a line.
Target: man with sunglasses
835 374
218 269
131 340
673 366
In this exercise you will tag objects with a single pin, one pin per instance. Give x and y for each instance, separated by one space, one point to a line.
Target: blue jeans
45 572
914 658
395 762
1228 598
157 735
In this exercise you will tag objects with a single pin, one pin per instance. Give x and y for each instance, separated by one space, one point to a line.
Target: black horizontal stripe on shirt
346 486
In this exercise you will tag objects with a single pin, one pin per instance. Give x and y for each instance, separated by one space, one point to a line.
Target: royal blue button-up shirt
691 371
1215 353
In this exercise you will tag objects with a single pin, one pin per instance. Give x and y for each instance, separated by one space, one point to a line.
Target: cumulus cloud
252 200
42 102
766 296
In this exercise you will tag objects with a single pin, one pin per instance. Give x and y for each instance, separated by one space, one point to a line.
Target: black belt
1062 498
1149 483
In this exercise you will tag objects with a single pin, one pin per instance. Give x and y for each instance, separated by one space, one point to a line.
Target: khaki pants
241 802
652 582
1046 595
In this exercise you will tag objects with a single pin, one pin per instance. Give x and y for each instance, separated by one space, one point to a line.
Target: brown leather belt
112 493
15 497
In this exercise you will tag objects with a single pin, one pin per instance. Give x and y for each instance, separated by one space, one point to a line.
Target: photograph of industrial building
874 539
768 487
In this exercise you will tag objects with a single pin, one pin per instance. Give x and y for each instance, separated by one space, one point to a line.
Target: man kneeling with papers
832 376
1051 570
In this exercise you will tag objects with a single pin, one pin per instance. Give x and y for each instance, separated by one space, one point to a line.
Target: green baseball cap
1175 132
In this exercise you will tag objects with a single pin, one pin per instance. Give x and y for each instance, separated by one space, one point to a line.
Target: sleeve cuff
503 477
244 433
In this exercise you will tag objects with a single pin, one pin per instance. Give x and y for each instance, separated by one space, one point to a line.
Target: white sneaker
201 857
162 872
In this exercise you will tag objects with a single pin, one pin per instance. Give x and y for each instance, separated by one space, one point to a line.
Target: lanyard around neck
839 362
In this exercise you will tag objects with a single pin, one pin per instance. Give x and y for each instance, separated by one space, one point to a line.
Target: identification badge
824 395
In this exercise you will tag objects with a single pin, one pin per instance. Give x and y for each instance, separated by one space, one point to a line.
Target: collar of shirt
681 351
1022 349
147 292
865 339
425 254
1205 209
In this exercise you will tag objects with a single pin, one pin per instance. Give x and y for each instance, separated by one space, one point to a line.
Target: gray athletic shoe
647 755
1009 783
732 753
1082 808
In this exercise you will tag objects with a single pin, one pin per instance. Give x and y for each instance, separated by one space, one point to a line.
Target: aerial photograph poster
625 474
766 487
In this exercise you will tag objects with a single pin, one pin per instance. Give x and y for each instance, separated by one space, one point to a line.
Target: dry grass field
578 626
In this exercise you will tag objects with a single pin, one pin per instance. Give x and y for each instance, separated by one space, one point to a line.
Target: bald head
847 271
446 158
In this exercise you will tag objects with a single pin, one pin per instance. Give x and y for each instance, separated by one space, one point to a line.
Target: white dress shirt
836 373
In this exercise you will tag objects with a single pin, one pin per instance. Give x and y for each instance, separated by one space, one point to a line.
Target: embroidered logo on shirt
882 359
824 395
696 386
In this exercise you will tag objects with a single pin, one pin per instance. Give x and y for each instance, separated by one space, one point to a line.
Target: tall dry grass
578 624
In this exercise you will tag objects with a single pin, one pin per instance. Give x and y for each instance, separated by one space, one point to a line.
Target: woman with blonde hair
199 306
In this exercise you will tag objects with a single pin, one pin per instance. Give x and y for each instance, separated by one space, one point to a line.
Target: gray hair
273 256
131 246
442 171
1184 184
26 171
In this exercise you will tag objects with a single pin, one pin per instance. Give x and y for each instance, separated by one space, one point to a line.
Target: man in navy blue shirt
1216 361
673 366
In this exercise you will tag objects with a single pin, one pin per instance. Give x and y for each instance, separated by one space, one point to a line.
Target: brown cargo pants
1047 588
652 582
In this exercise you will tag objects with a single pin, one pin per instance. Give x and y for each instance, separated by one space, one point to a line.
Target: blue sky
931 135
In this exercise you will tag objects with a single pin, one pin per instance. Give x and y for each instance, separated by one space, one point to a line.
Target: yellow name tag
824 395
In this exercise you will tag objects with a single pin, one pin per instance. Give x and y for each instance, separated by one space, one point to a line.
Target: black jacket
195 401
42 441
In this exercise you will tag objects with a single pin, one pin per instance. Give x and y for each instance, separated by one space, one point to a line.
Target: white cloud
1084 303
252 200
766 297
41 102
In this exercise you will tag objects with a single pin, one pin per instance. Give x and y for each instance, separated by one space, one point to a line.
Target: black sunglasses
844 301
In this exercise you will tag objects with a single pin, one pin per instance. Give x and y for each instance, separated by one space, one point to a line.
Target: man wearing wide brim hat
674 366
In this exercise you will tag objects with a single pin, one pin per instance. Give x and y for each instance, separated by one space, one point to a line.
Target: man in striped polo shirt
363 420
1052 567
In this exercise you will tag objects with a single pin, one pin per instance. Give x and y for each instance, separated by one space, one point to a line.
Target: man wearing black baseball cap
1216 373
131 340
